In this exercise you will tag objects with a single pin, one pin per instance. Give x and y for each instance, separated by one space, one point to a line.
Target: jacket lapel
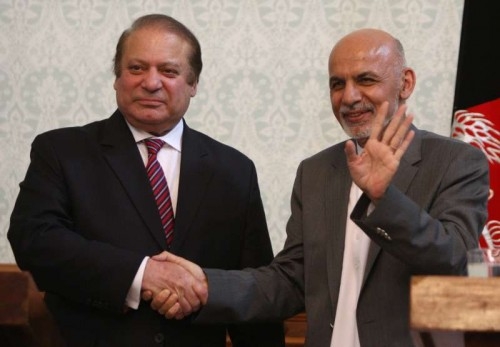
337 187
195 174
121 152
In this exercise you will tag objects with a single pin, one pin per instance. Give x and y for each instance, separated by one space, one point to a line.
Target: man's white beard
364 132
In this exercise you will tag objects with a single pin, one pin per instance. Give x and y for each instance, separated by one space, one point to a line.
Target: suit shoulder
76 130
74 136
453 147
218 148
62 134
329 154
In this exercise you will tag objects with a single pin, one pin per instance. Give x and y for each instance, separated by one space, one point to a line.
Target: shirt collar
173 138
359 149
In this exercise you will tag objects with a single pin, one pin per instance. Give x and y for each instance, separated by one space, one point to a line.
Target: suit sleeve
256 251
268 293
431 226
45 241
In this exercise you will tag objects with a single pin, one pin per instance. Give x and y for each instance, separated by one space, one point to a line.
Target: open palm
373 169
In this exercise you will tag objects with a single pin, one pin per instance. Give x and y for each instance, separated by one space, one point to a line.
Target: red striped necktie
160 188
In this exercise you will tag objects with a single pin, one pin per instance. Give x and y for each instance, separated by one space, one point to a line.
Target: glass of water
482 262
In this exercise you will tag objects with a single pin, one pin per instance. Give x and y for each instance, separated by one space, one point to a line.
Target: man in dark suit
367 214
86 223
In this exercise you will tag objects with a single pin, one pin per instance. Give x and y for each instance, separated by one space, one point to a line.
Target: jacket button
159 338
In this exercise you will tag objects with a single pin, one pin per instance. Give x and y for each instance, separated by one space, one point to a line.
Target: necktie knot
153 145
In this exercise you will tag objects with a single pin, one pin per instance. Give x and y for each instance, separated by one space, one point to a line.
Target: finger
168 304
185 306
159 299
174 312
147 295
350 150
179 315
201 290
405 144
193 301
161 256
196 293
167 256
379 122
391 131
400 136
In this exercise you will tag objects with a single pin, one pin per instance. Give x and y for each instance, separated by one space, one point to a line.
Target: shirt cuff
134 293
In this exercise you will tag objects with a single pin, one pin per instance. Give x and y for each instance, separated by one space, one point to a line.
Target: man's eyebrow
366 74
170 64
334 79
162 64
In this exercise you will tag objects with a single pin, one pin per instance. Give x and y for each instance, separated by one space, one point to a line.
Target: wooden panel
476 339
295 331
24 318
455 303
14 302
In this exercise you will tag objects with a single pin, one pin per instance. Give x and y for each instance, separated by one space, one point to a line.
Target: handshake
175 286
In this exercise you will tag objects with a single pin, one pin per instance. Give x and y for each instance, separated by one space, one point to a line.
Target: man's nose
351 94
152 80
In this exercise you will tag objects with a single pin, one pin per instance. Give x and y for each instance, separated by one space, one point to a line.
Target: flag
476 108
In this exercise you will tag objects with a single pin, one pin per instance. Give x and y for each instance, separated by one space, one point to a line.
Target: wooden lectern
450 303
24 318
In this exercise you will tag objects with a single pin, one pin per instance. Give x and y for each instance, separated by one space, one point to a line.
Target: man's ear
194 88
408 83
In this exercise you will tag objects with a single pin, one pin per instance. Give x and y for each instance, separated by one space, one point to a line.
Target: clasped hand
175 286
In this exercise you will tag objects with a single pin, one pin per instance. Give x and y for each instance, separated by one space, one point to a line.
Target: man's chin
358 134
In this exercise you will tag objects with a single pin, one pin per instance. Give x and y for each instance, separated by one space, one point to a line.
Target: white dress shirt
345 328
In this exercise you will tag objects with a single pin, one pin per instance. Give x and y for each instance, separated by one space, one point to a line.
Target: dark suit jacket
433 211
85 218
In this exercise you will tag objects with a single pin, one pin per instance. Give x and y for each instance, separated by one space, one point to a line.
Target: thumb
191 267
163 256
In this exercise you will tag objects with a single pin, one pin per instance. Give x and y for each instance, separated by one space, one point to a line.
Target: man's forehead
173 48
360 59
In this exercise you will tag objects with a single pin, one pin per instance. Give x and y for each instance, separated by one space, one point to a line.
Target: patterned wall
264 88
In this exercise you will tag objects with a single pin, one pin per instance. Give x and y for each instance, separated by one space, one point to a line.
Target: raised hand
177 286
184 293
373 169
